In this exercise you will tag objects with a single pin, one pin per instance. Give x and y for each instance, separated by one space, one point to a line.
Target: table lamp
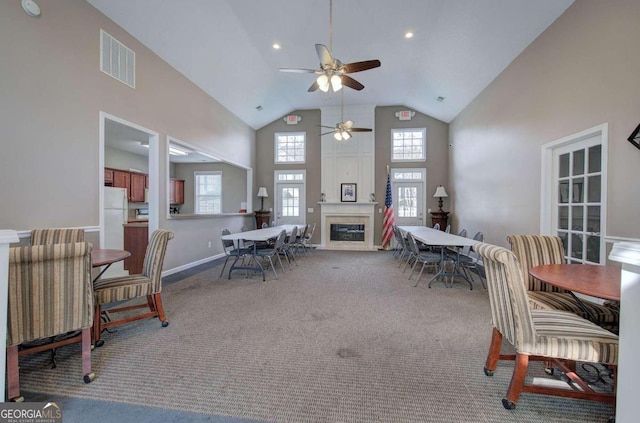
262 192
440 193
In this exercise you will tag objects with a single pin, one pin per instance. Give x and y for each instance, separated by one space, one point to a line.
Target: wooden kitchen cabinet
136 192
121 179
136 238
176 191
108 178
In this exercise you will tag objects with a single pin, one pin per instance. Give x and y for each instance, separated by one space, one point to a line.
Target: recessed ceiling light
276 46
440 99
408 34
258 108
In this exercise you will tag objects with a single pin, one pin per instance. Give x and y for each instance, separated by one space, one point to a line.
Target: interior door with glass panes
580 197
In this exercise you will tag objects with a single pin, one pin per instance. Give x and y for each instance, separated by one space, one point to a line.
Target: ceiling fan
342 131
332 72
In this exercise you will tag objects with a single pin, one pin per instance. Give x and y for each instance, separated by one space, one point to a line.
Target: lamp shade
262 192
440 192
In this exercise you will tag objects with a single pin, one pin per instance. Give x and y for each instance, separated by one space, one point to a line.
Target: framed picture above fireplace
348 193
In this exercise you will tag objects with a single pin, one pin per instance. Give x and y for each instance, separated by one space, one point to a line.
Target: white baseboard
190 265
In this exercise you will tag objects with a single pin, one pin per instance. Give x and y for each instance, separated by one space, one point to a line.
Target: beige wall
385 121
437 163
265 166
581 72
234 184
51 94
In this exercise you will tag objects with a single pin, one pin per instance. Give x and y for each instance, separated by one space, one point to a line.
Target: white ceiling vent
117 60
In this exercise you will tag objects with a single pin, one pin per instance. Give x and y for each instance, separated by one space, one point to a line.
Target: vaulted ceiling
226 48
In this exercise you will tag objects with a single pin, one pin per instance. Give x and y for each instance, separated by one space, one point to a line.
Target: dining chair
424 257
539 335
298 243
535 250
275 251
306 242
56 236
44 280
147 285
470 262
231 250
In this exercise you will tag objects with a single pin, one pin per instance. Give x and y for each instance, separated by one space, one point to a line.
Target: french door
290 193
408 196
579 181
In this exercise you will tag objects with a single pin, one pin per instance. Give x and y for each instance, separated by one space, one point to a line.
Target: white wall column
628 254
6 238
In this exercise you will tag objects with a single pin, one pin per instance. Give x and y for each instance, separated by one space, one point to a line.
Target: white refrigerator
116 214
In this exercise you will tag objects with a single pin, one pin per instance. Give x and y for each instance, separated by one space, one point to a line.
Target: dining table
106 257
443 240
588 279
255 236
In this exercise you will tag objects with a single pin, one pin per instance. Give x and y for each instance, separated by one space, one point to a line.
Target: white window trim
424 144
195 188
275 147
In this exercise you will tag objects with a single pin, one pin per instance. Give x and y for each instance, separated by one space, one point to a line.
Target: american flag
388 219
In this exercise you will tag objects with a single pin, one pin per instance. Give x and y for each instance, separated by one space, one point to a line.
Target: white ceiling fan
333 73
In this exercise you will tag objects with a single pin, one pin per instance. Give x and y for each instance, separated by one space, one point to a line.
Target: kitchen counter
137 223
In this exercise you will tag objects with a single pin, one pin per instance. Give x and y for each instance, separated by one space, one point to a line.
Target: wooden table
106 257
589 279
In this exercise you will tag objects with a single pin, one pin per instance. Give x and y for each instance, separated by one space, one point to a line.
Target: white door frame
154 171
276 192
547 191
422 181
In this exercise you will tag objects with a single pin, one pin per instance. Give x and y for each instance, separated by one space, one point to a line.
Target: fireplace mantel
347 213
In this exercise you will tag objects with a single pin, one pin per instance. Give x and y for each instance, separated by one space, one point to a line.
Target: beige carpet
344 337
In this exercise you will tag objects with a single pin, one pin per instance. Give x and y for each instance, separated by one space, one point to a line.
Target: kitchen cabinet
108 178
136 238
176 191
137 186
121 179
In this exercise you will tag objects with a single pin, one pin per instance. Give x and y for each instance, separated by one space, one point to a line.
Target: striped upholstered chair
535 250
50 293
56 236
147 285
538 335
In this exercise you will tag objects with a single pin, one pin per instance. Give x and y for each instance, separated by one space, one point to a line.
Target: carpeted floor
343 337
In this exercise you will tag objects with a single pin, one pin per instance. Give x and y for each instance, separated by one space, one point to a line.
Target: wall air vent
117 60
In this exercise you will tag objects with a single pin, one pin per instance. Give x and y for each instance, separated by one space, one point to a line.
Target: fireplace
347 226
346 232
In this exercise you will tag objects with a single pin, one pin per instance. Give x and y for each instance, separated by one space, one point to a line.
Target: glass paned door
408 203
290 198
579 200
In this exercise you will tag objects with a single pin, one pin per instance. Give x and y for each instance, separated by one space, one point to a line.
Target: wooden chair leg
88 375
151 303
517 381
160 309
494 352
97 328
13 374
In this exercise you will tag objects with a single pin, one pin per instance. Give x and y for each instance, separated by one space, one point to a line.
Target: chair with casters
56 236
270 253
147 285
535 250
539 335
44 280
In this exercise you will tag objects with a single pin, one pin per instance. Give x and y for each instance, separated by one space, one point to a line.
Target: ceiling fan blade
313 87
327 133
294 70
324 55
360 129
361 66
325 126
351 83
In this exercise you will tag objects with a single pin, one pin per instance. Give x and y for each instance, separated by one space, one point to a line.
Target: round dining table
106 257
589 279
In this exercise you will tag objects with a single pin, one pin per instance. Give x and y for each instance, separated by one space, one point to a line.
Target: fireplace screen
351 232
